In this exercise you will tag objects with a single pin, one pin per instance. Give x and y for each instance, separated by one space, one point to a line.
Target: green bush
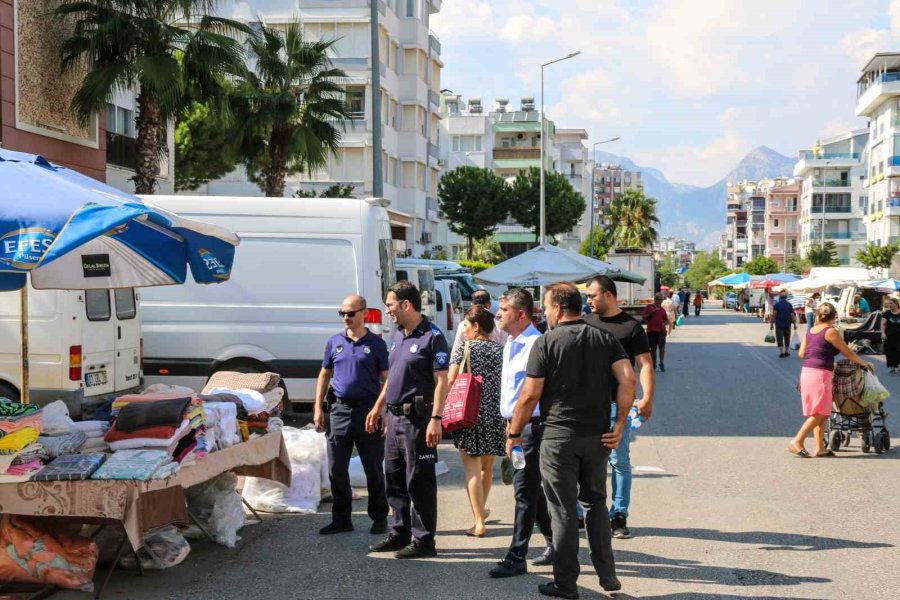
476 265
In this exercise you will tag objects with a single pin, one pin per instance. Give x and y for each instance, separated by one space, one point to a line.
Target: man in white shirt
516 308
482 298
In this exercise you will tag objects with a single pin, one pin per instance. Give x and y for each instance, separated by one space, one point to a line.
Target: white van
84 346
423 278
447 269
298 259
449 306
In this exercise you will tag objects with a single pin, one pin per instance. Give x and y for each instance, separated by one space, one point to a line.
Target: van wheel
9 392
243 367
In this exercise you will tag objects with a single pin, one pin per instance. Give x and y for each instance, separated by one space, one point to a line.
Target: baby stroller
865 339
849 416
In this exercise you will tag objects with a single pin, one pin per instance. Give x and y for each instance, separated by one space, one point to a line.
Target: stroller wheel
835 440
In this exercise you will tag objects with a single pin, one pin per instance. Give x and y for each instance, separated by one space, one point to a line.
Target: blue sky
691 86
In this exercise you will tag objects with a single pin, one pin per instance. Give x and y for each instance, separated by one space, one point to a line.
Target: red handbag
461 407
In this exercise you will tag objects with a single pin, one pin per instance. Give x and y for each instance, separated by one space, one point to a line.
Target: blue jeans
620 461
810 319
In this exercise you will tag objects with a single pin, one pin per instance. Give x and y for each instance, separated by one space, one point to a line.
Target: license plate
92 379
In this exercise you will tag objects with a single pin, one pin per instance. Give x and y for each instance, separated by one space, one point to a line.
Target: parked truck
634 297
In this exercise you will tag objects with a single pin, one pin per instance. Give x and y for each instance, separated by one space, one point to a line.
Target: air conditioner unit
520 136
426 237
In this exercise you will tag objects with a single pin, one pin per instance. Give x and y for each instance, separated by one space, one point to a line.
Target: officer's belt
354 402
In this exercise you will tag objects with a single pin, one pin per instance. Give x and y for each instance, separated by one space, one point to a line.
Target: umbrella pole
23 330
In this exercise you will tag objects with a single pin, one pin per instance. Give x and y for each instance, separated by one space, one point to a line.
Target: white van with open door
422 277
298 259
449 306
84 346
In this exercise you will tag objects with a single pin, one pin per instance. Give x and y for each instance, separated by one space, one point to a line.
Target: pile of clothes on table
20 452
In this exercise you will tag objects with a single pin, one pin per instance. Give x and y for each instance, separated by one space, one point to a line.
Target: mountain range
698 213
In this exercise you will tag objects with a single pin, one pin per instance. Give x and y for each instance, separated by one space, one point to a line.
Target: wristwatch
513 436
436 417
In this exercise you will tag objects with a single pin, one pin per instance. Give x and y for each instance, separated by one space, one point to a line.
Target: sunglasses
347 314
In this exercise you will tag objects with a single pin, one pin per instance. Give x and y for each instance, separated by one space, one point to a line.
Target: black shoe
378 527
580 522
417 549
619 526
545 559
507 568
611 585
550 589
336 527
391 543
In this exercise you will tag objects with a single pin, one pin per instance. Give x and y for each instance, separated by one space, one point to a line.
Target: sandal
801 453
826 454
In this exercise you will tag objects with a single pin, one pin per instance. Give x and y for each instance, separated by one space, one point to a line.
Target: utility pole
377 170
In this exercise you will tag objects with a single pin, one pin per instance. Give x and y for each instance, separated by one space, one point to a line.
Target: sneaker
611 585
391 543
545 559
506 471
550 589
619 526
508 568
336 527
378 527
417 549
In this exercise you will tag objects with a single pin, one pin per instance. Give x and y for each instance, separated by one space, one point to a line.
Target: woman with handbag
479 444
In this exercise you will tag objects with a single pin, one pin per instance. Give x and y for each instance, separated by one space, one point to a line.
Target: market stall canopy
735 279
782 277
764 283
72 232
883 285
543 265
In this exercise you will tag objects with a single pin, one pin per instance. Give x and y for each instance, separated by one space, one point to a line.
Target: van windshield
467 285
426 280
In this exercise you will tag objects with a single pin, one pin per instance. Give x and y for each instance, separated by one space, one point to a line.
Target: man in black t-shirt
606 315
571 371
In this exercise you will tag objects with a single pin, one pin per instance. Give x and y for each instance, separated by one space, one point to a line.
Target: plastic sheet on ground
218 508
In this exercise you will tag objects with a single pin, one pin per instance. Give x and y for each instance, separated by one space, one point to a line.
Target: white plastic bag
795 341
873 391
163 548
309 460
218 507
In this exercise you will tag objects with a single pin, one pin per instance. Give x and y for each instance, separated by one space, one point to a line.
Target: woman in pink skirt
819 347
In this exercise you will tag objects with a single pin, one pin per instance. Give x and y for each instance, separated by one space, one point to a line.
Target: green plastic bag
679 320
770 337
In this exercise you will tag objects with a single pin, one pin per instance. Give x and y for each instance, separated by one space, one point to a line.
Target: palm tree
146 45
290 110
631 218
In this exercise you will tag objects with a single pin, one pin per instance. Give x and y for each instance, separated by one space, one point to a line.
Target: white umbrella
547 264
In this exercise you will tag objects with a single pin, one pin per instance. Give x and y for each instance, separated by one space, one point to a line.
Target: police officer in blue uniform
355 363
414 398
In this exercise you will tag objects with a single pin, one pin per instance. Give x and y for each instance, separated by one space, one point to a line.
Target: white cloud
861 45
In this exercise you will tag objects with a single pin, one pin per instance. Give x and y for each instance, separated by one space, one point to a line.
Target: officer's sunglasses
347 314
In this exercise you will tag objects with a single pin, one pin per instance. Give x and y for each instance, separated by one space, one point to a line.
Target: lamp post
593 192
543 206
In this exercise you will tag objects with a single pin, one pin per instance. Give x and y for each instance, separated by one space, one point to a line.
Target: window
775 222
410 8
126 307
356 102
467 143
96 305
119 120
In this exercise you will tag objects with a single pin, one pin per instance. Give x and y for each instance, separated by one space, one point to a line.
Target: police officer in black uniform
356 362
414 398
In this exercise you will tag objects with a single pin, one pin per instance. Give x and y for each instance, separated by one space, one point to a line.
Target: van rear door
128 339
98 347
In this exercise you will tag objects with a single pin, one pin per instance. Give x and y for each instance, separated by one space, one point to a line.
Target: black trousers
346 428
783 336
410 478
531 504
574 471
696 310
892 350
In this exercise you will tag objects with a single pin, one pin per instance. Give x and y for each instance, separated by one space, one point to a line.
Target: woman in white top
812 303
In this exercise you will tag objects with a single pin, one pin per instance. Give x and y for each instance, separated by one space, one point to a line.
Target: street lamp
593 192
543 228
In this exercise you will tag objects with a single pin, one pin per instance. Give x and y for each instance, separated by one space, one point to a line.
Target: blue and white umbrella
882 285
69 231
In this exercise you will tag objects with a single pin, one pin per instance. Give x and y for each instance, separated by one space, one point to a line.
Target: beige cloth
260 382
141 505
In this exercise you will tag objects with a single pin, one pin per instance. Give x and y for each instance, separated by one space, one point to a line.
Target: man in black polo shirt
414 395
571 371
606 315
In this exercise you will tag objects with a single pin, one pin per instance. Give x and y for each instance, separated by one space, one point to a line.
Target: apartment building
410 81
575 165
878 99
734 245
610 181
782 221
833 195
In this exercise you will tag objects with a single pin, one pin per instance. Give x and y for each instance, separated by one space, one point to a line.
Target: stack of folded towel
20 454
94 432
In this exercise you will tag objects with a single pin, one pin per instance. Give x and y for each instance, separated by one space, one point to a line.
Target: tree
564 205
142 45
337 190
823 256
203 149
797 265
289 111
485 250
878 257
668 270
601 244
474 201
761 265
705 268
631 217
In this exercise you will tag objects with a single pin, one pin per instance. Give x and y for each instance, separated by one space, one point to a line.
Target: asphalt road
719 508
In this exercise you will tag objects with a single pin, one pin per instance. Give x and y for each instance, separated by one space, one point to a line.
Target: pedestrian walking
603 296
516 308
479 298
686 300
783 321
741 301
890 334
355 365
413 395
656 319
669 306
819 347
811 304
769 311
478 445
570 373
698 303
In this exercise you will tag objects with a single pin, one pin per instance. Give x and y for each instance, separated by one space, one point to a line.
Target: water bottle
634 419
518 457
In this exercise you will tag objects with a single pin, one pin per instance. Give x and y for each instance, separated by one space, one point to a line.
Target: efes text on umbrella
213 264
24 248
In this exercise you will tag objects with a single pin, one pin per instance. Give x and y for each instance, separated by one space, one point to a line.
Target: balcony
121 151
831 183
837 235
434 43
871 94
434 99
810 160
831 209
517 153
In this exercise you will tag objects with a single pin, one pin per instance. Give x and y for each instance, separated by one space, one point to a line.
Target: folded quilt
167 470
160 432
95 444
35 421
73 467
252 401
140 415
25 468
12 411
132 464
91 428
12 443
139 442
60 445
